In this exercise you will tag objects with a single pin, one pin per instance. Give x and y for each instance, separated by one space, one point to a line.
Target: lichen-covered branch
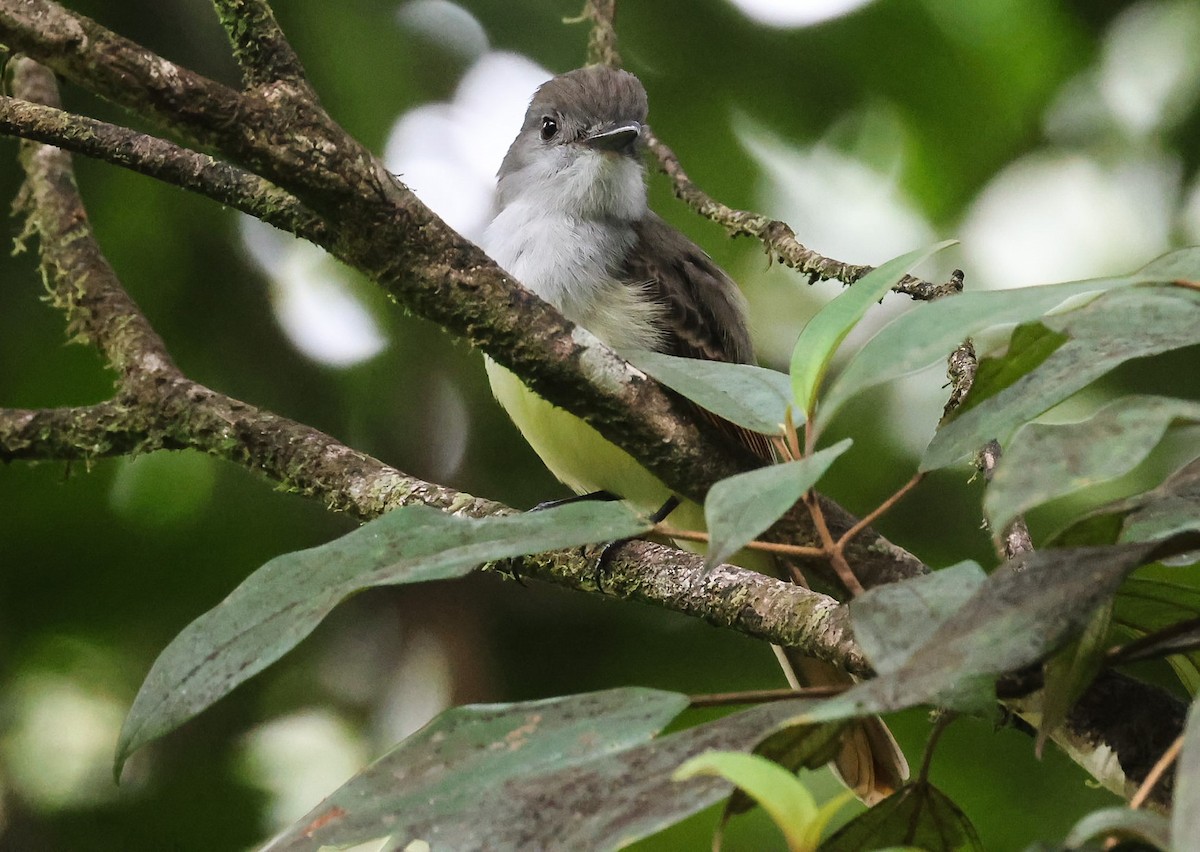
261 49
163 160
602 38
157 407
778 237
81 282
371 221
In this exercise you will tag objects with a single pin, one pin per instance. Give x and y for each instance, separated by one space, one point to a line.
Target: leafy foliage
475 775
920 816
941 639
1114 328
923 336
824 333
740 508
780 793
284 600
1052 460
1027 608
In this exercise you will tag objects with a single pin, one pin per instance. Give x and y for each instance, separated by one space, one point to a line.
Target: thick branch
163 160
161 408
277 131
121 71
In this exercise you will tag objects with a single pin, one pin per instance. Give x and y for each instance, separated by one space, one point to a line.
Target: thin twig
602 40
836 557
778 237
1157 644
1015 538
261 49
961 367
883 507
1156 773
765 546
940 725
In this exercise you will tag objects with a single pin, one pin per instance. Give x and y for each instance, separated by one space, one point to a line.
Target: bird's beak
614 138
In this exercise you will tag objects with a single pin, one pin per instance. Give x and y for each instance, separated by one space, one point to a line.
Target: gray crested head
579 149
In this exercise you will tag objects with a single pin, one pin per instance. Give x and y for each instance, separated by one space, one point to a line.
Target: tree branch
162 160
778 237
160 408
376 225
259 45
602 38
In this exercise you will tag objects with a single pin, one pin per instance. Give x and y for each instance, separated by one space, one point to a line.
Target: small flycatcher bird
572 225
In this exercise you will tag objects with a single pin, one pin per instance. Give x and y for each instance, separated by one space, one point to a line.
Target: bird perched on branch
572 225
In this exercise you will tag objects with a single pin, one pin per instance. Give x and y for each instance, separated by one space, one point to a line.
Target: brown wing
703 313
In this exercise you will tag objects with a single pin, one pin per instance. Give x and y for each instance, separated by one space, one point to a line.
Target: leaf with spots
283 601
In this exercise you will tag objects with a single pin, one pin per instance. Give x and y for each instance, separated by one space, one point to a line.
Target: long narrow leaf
823 334
928 333
750 396
740 508
1105 333
284 600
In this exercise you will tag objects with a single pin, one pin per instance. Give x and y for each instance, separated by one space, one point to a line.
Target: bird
572 224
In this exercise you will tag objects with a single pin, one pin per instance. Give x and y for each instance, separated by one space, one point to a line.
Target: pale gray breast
575 264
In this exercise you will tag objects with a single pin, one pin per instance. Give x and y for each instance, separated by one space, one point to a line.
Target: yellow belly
572 450
585 461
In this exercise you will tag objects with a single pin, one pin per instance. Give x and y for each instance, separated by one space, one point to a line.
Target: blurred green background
1056 140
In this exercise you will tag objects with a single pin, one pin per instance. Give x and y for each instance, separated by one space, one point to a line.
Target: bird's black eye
549 128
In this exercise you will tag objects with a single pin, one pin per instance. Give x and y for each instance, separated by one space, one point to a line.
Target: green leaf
893 620
929 332
919 816
1106 332
1026 609
1174 506
824 333
1146 605
741 507
1069 672
284 600
1126 824
1185 814
447 783
1045 461
573 791
750 396
1029 346
781 794
794 748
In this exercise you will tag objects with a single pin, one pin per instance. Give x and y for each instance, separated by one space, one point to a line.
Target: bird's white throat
566 225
